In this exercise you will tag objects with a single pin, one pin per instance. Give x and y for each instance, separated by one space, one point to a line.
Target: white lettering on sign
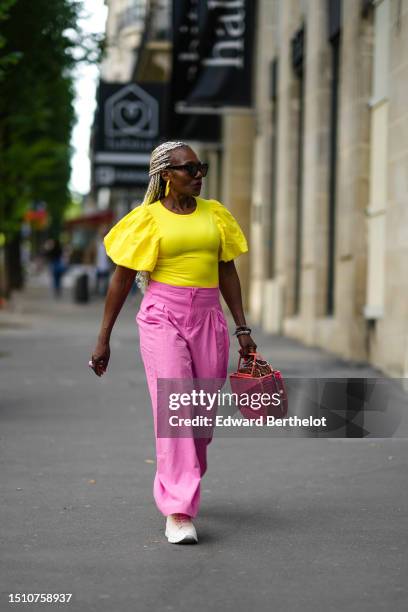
234 24
231 4
229 49
190 54
218 59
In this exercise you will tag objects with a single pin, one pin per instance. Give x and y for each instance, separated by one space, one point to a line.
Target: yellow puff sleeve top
181 250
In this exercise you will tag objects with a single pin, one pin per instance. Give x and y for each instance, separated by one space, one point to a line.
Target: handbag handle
253 361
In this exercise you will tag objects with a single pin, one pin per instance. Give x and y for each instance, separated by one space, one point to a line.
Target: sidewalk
285 524
36 307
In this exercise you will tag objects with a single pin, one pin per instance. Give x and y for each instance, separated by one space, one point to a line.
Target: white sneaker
180 529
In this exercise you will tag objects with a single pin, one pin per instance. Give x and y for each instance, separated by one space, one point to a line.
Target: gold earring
167 188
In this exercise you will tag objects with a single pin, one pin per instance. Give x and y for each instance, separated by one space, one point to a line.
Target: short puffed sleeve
134 241
233 241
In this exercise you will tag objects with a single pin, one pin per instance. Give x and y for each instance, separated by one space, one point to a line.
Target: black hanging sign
212 53
127 127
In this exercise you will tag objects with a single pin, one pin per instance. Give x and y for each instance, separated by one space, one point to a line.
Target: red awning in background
93 219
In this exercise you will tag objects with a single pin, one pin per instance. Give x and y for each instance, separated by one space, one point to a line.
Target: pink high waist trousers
183 334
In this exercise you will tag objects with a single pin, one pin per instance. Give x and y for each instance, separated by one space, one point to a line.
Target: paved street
285 524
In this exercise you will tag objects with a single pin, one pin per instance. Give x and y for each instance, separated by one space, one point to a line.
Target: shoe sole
185 540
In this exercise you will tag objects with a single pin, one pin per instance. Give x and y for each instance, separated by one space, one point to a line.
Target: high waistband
199 295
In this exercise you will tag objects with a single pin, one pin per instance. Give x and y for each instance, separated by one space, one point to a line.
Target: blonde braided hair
160 159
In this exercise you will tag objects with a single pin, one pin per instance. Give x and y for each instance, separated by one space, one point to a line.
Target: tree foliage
38 51
6 59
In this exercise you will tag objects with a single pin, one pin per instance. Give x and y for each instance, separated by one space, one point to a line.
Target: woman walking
182 247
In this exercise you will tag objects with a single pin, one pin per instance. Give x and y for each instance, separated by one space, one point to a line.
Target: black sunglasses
192 168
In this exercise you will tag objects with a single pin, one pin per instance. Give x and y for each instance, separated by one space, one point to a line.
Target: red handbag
254 378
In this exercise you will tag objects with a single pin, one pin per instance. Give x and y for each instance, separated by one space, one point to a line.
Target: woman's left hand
247 345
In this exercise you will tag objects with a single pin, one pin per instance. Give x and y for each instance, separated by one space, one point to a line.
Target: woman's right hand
100 358
119 287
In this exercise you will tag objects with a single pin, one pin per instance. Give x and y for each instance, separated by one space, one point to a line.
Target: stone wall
350 330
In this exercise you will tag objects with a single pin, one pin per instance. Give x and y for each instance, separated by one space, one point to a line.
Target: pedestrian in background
54 255
102 264
183 248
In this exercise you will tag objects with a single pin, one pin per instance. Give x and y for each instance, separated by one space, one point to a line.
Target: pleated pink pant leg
183 334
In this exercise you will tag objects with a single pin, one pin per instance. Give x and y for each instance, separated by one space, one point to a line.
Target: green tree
6 59
40 46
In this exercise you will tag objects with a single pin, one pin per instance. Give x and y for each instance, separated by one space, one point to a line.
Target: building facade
329 222
125 27
124 30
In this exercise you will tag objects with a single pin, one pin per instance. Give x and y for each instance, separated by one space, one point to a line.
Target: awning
100 217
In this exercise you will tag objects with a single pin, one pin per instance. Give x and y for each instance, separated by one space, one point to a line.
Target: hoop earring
166 192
